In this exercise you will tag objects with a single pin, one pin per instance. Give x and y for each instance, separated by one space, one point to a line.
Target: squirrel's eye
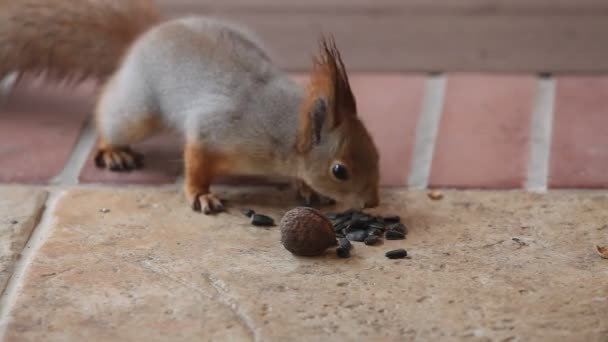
339 171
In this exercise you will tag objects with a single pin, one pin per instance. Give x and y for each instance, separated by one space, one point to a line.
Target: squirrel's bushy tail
70 39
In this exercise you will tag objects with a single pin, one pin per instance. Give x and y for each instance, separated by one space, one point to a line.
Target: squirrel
208 79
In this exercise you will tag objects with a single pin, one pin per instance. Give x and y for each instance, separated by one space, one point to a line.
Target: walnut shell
306 232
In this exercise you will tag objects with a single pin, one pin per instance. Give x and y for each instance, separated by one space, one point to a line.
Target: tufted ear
318 116
329 99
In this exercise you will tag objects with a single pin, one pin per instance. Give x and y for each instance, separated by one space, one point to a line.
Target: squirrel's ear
318 116
329 79
329 99
313 120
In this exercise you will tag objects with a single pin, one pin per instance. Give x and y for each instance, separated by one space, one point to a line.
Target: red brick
39 125
484 133
579 150
389 106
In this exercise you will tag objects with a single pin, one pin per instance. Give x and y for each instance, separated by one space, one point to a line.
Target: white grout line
7 84
39 235
540 141
426 132
78 157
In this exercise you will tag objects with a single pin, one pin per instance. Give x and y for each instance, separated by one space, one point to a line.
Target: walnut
306 232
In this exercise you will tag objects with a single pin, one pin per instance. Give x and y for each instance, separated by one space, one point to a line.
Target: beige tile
152 270
20 210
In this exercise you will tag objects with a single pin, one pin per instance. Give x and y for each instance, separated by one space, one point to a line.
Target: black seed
343 252
376 225
248 212
398 227
341 227
332 216
347 213
376 232
351 229
341 220
394 235
371 240
366 218
344 243
392 219
396 254
358 235
14 221
261 220
357 225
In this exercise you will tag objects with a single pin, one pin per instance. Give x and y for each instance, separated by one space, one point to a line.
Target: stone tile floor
485 266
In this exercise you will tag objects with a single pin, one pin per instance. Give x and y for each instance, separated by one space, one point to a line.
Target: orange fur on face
328 80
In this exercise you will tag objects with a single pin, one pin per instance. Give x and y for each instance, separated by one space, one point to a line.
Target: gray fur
211 81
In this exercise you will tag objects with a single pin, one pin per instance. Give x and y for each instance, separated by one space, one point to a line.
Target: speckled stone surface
485 266
20 209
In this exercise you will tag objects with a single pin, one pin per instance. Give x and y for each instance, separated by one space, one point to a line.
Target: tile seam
37 238
537 177
426 132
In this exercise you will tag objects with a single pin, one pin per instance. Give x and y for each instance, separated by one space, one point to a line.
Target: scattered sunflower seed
14 221
372 240
104 210
398 227
376 232
248 212
332 216
394 235
262 220
396 254
343 252
392 219
353 225
358 223
344 243
359 235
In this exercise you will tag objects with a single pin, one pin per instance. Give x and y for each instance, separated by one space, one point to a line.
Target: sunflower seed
248 212
344 243
396 254
371 240
358 235
398 227
394 235
343 252
262 220
392 219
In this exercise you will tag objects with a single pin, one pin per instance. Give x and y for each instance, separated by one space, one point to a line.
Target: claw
118 159
207 203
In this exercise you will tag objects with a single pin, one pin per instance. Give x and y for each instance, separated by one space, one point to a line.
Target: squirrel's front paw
207 203
310 197
118 159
